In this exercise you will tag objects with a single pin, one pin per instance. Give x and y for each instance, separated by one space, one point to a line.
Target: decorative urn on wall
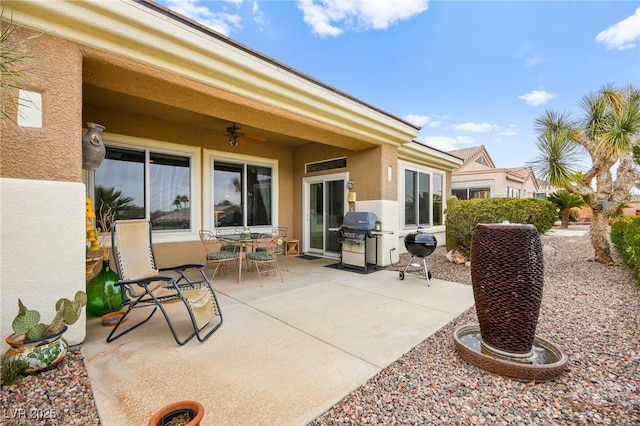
93 150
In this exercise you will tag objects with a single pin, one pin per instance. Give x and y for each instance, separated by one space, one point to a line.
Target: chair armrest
146 280
182 267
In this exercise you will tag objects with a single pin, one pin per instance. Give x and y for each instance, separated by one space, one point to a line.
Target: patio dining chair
281 233
218 252
144 285
265 256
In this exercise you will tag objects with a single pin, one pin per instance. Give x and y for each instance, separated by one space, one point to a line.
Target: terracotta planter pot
112 318
507 278
191 411
41 354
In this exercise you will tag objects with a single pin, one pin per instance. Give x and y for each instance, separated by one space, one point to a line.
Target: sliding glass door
325 203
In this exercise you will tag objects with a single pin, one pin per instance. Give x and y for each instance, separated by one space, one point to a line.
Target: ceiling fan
237 136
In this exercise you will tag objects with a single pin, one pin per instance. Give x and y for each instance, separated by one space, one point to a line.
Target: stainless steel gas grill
356 229
420 245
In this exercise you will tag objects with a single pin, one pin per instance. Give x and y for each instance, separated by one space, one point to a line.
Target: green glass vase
102 296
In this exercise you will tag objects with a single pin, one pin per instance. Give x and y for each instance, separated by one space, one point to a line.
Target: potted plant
40 345
180 413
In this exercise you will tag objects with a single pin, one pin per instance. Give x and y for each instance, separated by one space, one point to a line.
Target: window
423 204
469 193
138 183
479 193
242 194
321 166
513 192
438 190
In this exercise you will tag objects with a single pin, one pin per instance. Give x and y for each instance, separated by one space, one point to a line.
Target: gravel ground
590 310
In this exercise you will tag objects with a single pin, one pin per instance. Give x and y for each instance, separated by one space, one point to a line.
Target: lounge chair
144 285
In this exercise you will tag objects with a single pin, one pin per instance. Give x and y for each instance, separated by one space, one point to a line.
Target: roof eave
145 32
424 154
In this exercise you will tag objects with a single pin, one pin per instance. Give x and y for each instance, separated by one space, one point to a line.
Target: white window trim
209 156
404 166
132 142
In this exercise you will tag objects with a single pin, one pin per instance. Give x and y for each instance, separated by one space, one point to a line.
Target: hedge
464 215
625 236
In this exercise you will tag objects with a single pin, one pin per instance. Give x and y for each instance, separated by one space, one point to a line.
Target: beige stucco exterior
51 152
152 77
479 172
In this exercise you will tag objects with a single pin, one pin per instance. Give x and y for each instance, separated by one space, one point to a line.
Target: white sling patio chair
144 285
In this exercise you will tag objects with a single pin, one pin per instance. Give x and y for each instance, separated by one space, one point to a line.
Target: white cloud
623 34
447 143
508 133
418 120
333 17
537 97
222 22
473 127
258 14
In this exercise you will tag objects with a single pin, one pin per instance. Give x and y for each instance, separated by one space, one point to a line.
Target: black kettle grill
420 245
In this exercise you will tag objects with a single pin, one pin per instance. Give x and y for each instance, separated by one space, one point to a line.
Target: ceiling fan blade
254 137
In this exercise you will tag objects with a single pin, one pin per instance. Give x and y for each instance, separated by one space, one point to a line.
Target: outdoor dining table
245 242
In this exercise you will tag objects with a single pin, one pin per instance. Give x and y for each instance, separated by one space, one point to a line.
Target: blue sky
469 72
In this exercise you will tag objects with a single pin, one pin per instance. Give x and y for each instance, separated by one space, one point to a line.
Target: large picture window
242 194
469 193
423 203
141 183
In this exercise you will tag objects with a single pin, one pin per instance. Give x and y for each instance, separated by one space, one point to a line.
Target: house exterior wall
529 187
172 78
52 152
497 180
42 196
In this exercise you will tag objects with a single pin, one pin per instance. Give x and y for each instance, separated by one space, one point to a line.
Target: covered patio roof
220 81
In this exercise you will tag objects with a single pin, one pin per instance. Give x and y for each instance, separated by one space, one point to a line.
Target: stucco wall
42 227
54 151
42 211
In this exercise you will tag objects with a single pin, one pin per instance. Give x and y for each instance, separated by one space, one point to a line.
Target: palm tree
609 133
565 201
112 201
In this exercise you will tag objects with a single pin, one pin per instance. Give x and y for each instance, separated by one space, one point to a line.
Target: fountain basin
547 362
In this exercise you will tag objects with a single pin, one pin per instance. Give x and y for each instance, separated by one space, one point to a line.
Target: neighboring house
167 89
478 177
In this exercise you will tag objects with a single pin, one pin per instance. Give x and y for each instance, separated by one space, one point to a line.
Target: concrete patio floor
285 353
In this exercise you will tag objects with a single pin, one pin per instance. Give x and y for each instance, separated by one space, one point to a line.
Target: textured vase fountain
507 274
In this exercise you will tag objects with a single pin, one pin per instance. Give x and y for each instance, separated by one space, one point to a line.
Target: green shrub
451 242
464 215
625 236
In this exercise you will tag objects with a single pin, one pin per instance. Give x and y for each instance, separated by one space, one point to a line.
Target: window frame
403 168
160 147
210 156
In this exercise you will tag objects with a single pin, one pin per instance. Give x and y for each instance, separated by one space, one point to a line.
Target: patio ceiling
118 101
205 76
